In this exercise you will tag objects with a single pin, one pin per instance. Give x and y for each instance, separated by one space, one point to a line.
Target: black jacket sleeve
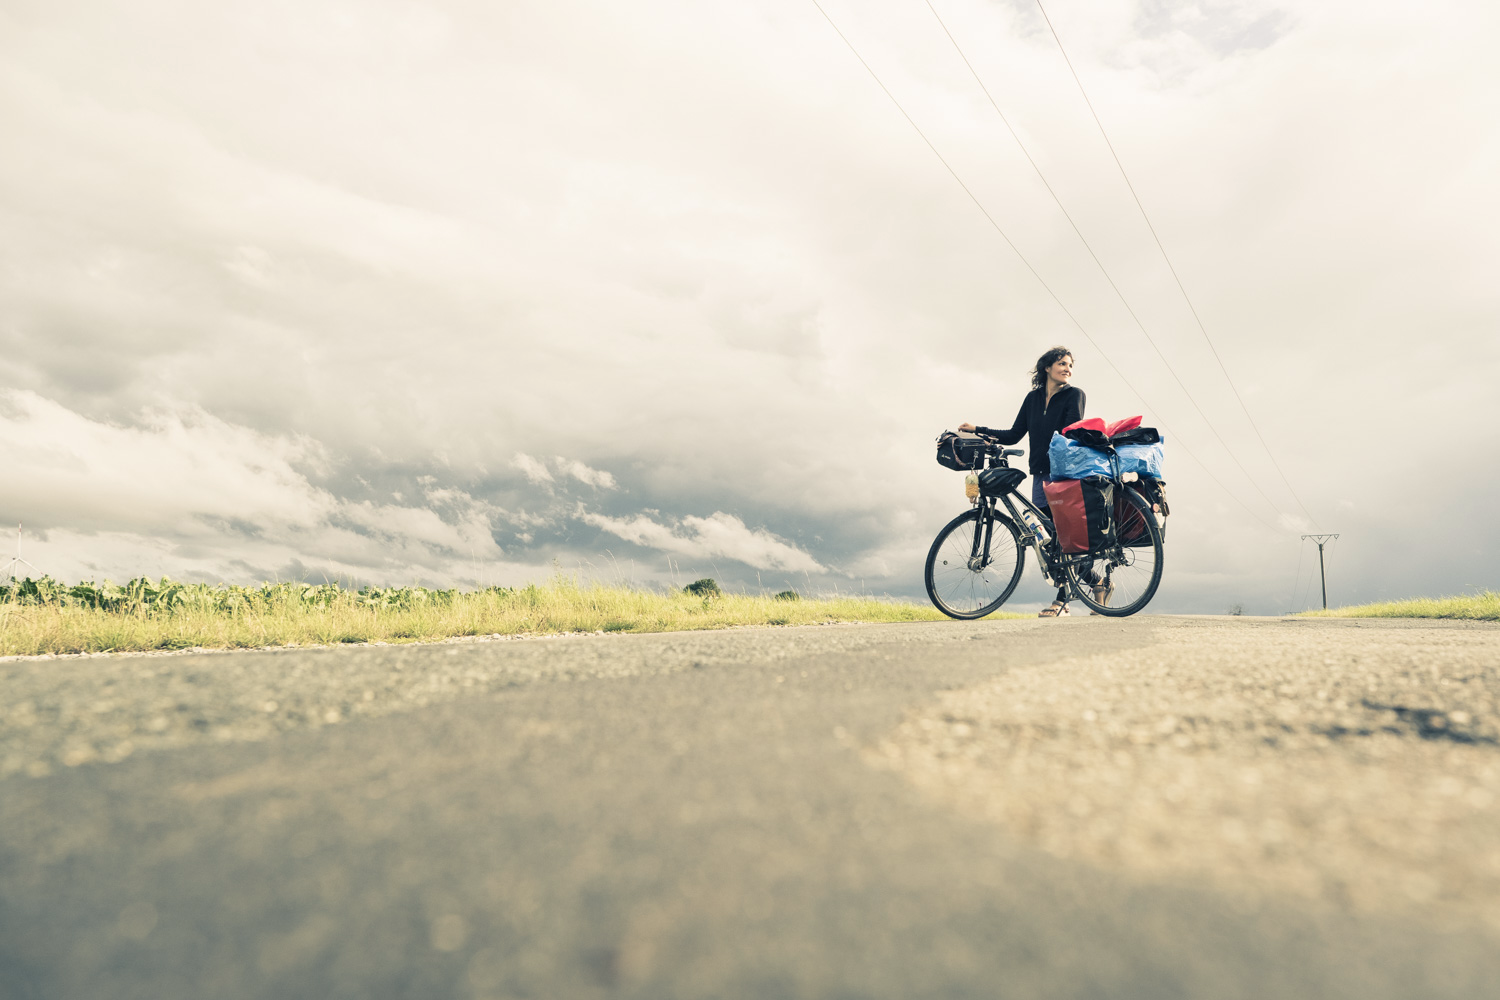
1073 408
1017 431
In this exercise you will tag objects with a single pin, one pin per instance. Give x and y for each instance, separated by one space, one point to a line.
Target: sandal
1055 611
1102 595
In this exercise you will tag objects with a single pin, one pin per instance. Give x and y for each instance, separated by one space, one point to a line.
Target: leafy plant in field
165 596
146 613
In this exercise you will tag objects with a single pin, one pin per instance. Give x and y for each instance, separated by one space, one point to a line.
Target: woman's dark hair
1052 357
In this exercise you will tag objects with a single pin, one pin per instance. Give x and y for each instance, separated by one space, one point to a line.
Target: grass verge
1483 607
184 616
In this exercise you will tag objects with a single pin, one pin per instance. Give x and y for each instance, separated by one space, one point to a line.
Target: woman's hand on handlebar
968 428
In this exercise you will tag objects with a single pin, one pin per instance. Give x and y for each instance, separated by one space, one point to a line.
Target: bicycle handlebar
991 440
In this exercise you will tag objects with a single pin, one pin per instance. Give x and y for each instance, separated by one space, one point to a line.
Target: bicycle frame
1044 560
984 528
1049 563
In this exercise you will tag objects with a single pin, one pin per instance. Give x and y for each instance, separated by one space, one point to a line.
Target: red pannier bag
1081 512
1130 523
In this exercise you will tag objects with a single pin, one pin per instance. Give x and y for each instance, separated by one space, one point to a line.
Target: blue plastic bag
1071 460
1142 459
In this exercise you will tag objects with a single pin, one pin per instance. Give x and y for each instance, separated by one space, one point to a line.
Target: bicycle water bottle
1035 525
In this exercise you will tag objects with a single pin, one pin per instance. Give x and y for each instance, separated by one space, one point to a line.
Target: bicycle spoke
954 585
1123 579
1126 581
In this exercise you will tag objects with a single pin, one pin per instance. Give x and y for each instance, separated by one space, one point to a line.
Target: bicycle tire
1122 556
946 577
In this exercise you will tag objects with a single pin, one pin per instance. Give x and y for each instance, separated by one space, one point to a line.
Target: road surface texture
1156 807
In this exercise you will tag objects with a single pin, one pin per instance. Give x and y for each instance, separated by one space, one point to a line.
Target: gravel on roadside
64 711
1354 764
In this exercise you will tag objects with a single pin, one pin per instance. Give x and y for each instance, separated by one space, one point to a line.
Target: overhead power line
1022 257
1297 577
1100 264
1170 266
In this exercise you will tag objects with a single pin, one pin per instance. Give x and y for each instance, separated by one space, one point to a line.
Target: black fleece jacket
1039 419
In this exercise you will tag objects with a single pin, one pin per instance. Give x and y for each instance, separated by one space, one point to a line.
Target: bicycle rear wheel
1122 579
967 579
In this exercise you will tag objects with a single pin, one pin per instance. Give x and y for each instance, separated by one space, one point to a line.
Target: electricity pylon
1321 539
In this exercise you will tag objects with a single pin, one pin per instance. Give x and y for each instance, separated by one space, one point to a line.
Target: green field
1483 607
44 616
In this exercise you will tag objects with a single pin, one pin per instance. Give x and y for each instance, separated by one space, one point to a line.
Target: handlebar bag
1072 459
959 452
1082 512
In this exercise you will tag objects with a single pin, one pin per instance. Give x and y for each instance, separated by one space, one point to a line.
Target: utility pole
1321 539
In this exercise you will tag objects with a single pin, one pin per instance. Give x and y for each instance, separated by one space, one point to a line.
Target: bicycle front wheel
974 564
1122 579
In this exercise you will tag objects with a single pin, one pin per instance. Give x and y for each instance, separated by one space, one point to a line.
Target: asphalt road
1155 807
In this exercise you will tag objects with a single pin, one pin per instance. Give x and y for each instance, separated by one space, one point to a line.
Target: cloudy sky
457 292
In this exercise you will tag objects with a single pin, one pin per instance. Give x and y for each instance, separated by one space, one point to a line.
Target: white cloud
531 468
186 491
592 477
536 472
718 535
755 291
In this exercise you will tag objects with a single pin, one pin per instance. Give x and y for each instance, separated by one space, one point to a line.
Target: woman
1052 404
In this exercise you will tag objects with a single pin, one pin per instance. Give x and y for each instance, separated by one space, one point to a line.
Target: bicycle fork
984 529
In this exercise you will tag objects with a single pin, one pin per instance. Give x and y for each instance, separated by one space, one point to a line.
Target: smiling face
1061 370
